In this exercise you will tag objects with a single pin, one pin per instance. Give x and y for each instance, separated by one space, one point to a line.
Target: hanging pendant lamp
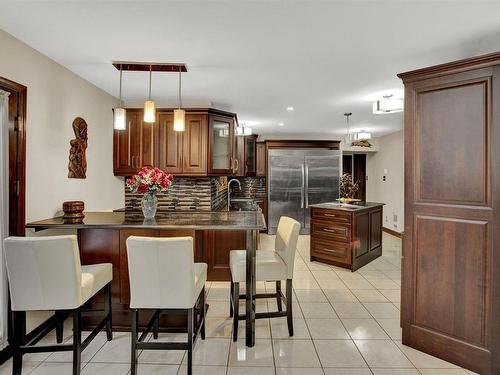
119 122
348 137
179 114
149 105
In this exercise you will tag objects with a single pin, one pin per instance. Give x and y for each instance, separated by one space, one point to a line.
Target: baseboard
392 232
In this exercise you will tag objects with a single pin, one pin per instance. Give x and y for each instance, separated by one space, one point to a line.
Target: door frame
17 152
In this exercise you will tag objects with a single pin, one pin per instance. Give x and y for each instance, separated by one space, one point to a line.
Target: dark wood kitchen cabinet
261 159
246 151
346 238
133 147
184 153
450 300
222 158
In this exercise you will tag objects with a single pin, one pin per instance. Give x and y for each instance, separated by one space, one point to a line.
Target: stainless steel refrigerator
299 178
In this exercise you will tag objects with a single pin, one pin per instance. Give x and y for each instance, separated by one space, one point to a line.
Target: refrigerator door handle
307 185
302 190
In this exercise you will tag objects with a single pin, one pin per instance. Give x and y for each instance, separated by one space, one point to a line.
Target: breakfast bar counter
102 237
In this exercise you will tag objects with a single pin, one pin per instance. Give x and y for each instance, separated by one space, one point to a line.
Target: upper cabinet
246 151
207 145
133 147
261 159
221 152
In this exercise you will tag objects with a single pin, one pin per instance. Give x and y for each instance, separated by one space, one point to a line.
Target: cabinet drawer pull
329 230
330 215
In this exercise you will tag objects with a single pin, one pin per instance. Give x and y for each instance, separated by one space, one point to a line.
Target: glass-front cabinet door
250 155
221 143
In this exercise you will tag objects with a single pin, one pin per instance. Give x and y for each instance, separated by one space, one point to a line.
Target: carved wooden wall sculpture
77 154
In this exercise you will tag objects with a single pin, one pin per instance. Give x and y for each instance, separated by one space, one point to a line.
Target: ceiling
258 57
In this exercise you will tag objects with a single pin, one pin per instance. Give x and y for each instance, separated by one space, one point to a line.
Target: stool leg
77 341
190 341
19 323
231 300
289 304
59 326
278 295
236 309
156 326
107 311
203 312
133 360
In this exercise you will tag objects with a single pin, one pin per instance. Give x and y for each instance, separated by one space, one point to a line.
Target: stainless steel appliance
299 178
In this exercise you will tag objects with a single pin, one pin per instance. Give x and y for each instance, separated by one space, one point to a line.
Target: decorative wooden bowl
73 210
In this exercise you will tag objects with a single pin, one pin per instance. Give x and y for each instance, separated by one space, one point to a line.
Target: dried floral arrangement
348 189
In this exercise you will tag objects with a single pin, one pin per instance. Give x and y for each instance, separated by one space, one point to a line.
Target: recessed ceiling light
281 124
290 108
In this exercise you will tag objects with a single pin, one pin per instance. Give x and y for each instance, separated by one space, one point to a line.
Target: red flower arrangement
150 181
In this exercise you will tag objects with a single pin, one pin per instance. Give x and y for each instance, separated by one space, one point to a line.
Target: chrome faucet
229 191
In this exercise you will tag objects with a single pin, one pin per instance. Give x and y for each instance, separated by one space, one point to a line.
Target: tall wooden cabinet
451 250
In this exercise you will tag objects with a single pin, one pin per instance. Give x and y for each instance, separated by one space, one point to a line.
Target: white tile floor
345 324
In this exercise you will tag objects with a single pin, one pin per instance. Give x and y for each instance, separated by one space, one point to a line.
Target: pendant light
119 122
179 114
149 105
348 137
388 105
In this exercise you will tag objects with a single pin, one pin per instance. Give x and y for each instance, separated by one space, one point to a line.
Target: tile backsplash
199 194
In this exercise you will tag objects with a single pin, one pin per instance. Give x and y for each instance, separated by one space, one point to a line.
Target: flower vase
149 205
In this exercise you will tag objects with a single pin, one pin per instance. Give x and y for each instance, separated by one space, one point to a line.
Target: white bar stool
274 265
45 274
165 279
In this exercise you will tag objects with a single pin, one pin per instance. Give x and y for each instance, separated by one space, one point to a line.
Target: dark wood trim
392 232
333 145
146 66
476 62
17 151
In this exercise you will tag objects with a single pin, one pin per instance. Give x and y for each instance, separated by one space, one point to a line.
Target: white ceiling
258 57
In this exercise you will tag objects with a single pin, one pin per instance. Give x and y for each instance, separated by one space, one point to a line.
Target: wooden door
261 159
169 144
125 148
451 254
195 139
359 175
221 145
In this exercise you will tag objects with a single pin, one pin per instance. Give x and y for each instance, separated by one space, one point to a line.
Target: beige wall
55 97
388 161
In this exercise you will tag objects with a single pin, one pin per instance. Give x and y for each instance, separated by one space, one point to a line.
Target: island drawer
331 230
331 215
333 250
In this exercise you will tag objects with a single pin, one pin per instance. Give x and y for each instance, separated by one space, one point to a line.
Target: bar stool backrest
44 272
285 243
161 272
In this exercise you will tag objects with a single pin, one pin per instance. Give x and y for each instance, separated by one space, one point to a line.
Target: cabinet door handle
237 165
133 165
329 230
330 215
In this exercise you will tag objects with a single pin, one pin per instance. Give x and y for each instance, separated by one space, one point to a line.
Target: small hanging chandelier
149 105
388 105
119 122
348 137
179 113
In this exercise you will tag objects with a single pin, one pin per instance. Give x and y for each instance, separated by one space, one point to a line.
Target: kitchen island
102 236
346 235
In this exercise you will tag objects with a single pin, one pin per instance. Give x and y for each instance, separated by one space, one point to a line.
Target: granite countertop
354 206
198 220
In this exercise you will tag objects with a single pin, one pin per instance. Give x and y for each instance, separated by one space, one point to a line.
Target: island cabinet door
217 244
194 153
169 144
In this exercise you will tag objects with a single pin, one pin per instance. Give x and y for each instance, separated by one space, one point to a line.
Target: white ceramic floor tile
298 371
151 369
358 284
422 360
28 367
340 295
347 371
53 368
370 295
279 329
339 353
250 371
218 309
311 295
382 353
395 371
96 344
442 371
295 353
262 329
393 295
218 327
117 350
350 310
317 310
384 284
382 310
332 284
391 327
203 370
364 329
261 354
210 352
327 329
